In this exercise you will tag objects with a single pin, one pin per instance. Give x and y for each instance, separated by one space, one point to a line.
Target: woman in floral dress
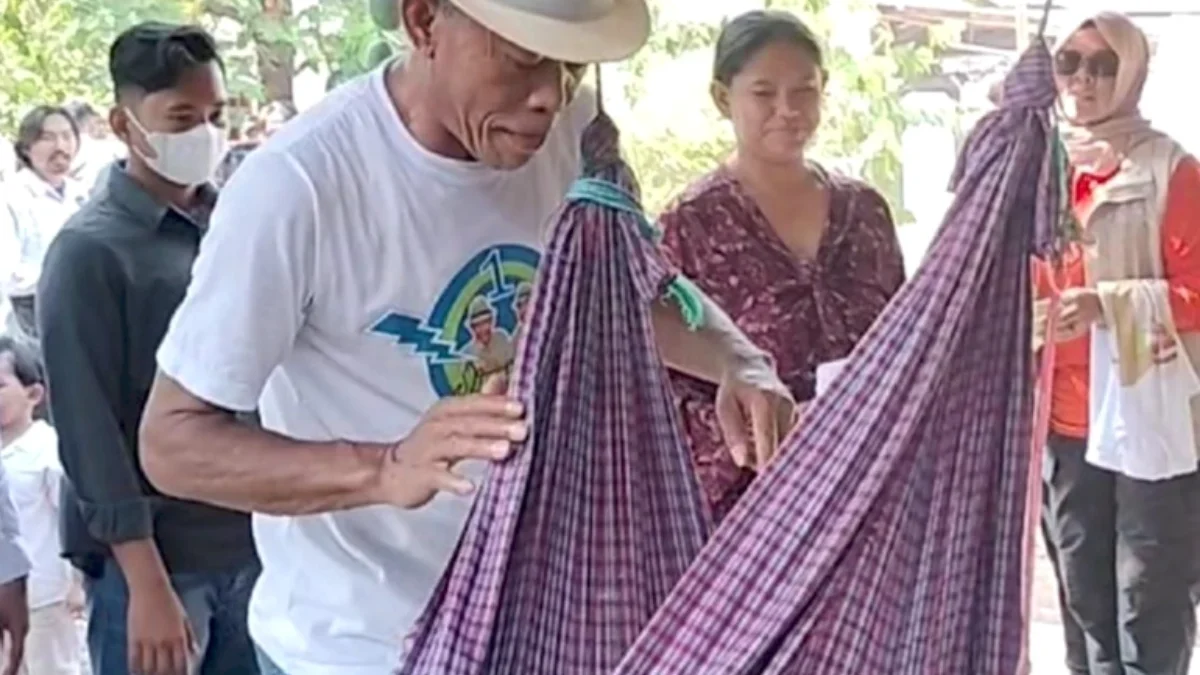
803 259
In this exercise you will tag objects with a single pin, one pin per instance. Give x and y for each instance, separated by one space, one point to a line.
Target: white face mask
186 158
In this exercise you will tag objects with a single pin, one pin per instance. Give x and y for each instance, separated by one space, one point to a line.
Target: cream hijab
1099 147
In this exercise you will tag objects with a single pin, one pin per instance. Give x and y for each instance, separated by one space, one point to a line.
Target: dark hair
26 363
31 128
153 56
748 34
81 111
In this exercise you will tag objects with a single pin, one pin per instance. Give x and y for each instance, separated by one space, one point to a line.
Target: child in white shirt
29 450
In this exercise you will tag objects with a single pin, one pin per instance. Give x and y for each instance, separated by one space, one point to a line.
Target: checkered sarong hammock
575 541
889 536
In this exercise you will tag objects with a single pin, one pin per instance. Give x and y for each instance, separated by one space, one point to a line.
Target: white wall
1173 90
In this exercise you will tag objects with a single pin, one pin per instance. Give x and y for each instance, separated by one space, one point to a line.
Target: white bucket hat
574 31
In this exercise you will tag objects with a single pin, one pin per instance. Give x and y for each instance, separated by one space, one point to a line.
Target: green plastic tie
684 293
680 289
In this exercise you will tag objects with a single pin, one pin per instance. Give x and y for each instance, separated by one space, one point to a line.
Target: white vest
1139 428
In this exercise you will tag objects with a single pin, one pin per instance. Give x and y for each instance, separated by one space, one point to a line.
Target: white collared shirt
34 481
31 214
14 564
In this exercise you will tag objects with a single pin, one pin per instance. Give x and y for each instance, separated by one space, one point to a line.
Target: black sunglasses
1101 64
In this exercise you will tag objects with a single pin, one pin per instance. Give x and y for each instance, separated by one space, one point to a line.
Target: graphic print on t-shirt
472 331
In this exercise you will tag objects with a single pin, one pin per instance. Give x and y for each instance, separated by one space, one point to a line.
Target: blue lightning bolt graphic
443 338
424 340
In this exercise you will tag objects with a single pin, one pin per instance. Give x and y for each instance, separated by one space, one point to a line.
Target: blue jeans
215 604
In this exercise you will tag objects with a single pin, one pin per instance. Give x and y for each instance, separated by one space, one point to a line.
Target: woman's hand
1078 310
755 411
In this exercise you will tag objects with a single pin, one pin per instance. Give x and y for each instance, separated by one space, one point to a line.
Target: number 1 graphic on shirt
494 266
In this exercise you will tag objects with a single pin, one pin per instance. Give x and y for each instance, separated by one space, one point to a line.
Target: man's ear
720 97
118 121
418 18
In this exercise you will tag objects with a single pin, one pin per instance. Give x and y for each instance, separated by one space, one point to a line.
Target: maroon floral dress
804 312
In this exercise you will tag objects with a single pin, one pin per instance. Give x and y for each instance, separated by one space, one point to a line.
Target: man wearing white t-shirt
334 291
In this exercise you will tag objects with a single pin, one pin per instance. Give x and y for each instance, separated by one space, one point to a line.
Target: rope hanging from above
1046 8
1068 231
608 181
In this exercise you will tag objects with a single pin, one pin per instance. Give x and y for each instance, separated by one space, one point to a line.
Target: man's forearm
194 451
141 565
707 352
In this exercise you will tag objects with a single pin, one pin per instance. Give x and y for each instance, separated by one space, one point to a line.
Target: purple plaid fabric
576 541
888 536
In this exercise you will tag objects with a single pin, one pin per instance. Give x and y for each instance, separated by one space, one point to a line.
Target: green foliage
864 119
56 50
666 163
667 41
53 51
338 36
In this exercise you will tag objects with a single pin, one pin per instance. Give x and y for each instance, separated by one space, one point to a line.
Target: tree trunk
276 59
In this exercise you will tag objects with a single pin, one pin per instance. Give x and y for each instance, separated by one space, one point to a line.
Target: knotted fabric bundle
576 541
890 535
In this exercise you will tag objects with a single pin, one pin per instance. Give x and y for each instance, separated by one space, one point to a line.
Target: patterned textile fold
888 537
575 541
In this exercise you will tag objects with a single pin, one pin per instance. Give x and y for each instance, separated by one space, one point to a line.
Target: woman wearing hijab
1122 492
803 260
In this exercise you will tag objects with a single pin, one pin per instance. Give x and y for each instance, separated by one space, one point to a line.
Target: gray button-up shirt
112 279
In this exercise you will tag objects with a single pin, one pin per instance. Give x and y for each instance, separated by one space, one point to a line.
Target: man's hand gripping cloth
888 537
575 541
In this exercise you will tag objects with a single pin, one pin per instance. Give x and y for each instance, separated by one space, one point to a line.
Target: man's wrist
743 356
373 458
142 566
754 367
149 585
